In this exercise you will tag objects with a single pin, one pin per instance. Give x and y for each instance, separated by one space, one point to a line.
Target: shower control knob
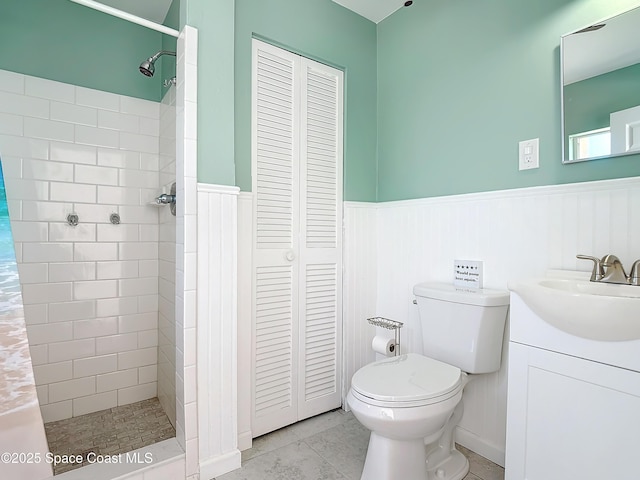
72 219
290 256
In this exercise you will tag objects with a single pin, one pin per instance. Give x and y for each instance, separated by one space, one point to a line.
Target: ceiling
154 10
615 46
374 10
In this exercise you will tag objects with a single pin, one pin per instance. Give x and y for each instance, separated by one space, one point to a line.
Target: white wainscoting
516 233
217 329
359 288
391 246
245 247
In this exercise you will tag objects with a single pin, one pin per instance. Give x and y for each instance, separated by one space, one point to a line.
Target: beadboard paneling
359 288
245 247
389 247
516 233
217 321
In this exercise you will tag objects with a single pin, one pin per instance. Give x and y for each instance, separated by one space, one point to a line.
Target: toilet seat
406 381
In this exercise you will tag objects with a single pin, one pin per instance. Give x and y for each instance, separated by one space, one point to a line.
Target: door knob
290 256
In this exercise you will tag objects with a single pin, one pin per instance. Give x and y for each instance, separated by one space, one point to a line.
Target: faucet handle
598 268
634 274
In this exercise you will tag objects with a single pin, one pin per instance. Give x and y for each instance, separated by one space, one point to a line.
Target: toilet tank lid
485 297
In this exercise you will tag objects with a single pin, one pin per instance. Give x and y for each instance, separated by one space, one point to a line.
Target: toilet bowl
412 403
405 401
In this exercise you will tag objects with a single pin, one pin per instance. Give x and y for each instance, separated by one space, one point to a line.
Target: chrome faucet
165 199
609 269
614 272
634 275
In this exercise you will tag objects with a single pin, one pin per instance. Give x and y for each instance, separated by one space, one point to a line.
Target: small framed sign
467 273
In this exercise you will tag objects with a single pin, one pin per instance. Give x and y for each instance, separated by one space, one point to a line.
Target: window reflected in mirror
596 143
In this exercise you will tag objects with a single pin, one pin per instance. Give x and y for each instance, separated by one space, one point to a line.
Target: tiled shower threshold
168 459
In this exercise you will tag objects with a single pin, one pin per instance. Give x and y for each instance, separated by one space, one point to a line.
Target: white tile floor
327 447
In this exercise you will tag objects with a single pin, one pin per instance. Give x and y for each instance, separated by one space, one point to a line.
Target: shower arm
147 68
159 54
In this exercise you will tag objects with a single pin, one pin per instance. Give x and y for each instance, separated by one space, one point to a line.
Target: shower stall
96 255
91 187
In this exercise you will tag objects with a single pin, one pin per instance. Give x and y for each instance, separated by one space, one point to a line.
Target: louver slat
321 194
320 330
274 146
273 389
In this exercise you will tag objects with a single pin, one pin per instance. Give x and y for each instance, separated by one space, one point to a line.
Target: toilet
412 403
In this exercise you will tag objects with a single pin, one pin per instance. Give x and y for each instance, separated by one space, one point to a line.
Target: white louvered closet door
297 185
320 239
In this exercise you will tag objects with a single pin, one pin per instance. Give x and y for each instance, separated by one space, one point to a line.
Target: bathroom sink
597 311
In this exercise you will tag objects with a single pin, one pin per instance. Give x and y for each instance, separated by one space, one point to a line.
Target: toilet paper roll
384 346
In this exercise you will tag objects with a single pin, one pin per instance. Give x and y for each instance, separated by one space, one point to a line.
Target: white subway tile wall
165 267
186 173
91 290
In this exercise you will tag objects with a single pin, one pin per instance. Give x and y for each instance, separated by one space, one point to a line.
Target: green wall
215 23
589 103
172 19
461 83
63 41
319 29
324 31
437 95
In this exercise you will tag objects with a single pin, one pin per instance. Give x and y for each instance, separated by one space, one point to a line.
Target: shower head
148 66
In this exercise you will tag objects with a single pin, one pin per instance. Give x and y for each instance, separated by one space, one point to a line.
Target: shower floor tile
108 432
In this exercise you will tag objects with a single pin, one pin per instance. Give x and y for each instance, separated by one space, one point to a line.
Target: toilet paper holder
389 325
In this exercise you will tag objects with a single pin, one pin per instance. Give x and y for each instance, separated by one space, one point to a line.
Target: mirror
600 77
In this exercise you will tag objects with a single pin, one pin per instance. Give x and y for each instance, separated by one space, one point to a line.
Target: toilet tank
462 327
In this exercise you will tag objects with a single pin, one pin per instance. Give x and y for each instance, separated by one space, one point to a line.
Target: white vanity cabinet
573 410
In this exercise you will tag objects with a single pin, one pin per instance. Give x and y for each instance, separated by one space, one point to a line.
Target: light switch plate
528 154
